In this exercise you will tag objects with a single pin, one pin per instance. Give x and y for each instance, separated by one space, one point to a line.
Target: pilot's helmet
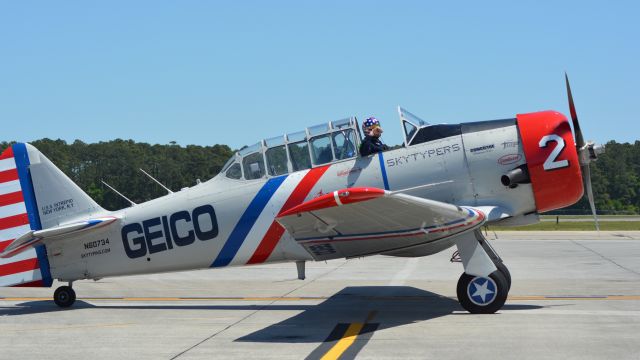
369 124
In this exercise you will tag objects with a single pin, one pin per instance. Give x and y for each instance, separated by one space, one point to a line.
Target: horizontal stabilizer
36 237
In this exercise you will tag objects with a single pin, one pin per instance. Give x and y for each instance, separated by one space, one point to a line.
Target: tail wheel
482 295
64 296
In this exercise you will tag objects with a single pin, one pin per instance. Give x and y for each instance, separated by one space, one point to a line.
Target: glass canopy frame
314 146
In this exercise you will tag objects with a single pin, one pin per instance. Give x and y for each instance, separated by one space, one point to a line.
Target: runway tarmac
574 296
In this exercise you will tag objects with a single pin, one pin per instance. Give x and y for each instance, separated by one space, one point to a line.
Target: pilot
371 143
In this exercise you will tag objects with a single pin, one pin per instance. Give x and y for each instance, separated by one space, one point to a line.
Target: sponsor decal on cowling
509 159
482 149
509 144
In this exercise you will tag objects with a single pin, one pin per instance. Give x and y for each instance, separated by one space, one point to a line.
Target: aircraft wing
37 237
364 221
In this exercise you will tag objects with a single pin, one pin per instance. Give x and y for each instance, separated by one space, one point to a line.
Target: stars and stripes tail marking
19 214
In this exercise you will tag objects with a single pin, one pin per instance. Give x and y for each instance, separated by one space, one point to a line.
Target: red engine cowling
552 159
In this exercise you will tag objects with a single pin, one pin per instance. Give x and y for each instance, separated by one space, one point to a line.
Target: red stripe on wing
347 196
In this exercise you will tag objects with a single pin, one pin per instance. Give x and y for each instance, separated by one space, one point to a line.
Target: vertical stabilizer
34 195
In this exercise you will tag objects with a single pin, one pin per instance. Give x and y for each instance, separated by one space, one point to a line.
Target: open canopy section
410 124
418 131
314 146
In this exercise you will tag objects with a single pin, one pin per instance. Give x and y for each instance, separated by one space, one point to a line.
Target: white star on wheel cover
482 290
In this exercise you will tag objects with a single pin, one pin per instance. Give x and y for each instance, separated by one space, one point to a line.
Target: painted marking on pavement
343 344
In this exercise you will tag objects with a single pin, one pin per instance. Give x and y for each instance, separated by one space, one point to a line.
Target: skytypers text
161 233
423 155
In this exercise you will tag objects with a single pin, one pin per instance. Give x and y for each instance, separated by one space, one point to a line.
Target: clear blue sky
232 72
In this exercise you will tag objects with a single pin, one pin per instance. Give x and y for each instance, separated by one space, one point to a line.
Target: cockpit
319 145
314 146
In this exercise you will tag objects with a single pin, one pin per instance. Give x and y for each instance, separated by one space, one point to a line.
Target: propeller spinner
587 152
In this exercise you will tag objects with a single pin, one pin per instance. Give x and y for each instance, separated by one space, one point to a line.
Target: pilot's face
376 131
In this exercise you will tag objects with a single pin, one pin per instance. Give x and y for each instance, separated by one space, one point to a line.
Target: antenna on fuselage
117 192
157 182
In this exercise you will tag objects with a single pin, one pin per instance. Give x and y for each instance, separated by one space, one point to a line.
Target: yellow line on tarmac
343 344
624 297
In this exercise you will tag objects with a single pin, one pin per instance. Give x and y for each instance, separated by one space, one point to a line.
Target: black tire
64 296
491 299
505 271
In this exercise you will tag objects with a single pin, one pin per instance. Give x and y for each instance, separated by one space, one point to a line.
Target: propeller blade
574 116
586 177
580 144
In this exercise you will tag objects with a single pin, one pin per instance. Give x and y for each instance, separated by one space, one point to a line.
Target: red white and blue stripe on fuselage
285 192
258 220
18 215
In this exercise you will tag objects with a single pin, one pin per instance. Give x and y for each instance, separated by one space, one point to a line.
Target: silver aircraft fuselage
231 222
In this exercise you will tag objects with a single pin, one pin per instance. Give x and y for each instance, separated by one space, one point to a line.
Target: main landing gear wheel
64 296
482 295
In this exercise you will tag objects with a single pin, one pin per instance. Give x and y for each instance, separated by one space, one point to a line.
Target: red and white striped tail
18 215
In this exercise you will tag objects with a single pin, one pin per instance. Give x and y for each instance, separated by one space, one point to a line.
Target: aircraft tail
34 195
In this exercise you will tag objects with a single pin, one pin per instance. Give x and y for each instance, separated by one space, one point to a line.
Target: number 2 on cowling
552 163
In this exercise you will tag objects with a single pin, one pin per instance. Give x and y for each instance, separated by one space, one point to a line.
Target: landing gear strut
484 292
64 296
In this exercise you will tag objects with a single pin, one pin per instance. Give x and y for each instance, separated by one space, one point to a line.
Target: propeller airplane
306 196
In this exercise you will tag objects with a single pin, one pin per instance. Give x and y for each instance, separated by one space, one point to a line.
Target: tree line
117 162
616 180
615 176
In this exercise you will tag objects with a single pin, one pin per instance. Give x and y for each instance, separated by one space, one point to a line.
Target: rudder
34 195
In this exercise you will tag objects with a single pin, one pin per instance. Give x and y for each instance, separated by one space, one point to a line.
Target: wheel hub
482 291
